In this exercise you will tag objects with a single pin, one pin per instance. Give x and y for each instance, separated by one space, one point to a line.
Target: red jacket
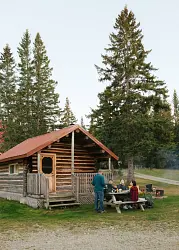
134 193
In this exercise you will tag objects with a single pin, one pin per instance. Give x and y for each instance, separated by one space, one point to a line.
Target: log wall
11 182
83 162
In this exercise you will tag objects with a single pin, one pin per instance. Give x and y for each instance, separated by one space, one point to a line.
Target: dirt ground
78 238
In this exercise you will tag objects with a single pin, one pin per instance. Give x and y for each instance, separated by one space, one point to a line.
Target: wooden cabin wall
83 162
11 182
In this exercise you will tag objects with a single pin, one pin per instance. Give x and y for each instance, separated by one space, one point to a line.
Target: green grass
168 188
16 216
163 173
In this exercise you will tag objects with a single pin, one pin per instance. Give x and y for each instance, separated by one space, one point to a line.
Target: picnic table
115 200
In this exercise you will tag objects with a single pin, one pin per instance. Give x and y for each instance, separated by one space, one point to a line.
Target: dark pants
99 198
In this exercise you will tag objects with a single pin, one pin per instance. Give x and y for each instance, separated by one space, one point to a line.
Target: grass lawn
15 216
168 188
163 173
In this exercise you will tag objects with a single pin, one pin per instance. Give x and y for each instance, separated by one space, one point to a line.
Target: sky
75 33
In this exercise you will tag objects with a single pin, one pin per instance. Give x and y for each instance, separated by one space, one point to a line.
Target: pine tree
25 119
45 104
7 97
129 106
68 117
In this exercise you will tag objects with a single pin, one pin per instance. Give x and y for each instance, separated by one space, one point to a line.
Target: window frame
16 169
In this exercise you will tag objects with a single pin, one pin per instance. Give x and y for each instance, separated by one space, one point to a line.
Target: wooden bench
118 204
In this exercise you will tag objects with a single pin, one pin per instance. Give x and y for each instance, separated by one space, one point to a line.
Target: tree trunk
130 172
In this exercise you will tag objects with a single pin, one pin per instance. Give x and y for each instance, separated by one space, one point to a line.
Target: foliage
133 117
67 116
45 101
29 104
24 97
7 97
82 123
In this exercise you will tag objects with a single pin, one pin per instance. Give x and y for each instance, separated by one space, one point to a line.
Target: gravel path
107 238
154 178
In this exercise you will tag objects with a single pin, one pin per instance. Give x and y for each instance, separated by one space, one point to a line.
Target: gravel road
153 178
107 238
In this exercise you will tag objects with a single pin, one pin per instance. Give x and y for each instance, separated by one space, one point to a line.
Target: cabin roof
35 144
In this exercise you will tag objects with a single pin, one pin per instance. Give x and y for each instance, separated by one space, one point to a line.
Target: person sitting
134 194
111 187
122 185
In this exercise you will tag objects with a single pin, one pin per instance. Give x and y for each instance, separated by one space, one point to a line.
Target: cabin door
48 167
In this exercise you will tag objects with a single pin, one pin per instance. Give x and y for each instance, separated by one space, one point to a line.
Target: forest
134 117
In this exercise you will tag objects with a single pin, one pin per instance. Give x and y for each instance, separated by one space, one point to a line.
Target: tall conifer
25 89
129 106
46 100
68 117
7 97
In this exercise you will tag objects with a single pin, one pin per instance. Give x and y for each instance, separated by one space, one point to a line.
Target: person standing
99 183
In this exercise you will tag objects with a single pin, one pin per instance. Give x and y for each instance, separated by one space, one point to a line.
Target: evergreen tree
7 97
45 105
68 117
82 123
176 119
175 107
131 105
25 120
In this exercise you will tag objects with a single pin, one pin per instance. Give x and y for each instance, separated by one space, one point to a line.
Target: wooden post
72 152
25 179
77 188
109 164
38 169
38 162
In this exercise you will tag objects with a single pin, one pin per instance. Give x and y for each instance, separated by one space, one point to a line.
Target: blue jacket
98 182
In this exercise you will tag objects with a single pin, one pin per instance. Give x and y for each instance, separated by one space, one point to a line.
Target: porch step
67 188
61 200
64 205
61 195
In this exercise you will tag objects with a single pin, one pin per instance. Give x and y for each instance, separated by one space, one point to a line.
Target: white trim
16 169
72 151
38 162
109 163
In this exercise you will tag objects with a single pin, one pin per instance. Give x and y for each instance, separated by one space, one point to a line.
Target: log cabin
54 169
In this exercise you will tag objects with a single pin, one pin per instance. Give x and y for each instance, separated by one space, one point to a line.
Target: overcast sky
76 32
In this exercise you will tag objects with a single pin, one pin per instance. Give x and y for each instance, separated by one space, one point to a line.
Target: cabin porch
82 191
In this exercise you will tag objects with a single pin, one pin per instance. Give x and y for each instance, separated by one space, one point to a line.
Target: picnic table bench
118 203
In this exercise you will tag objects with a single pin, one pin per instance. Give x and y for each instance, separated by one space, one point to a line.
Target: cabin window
47 165
13 169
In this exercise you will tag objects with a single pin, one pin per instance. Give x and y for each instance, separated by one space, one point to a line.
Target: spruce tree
25 93
175 107
7 98
82 123
130 105
45 99
176 119
68 117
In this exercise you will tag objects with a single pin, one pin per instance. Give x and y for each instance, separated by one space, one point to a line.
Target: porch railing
38 184
82 183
